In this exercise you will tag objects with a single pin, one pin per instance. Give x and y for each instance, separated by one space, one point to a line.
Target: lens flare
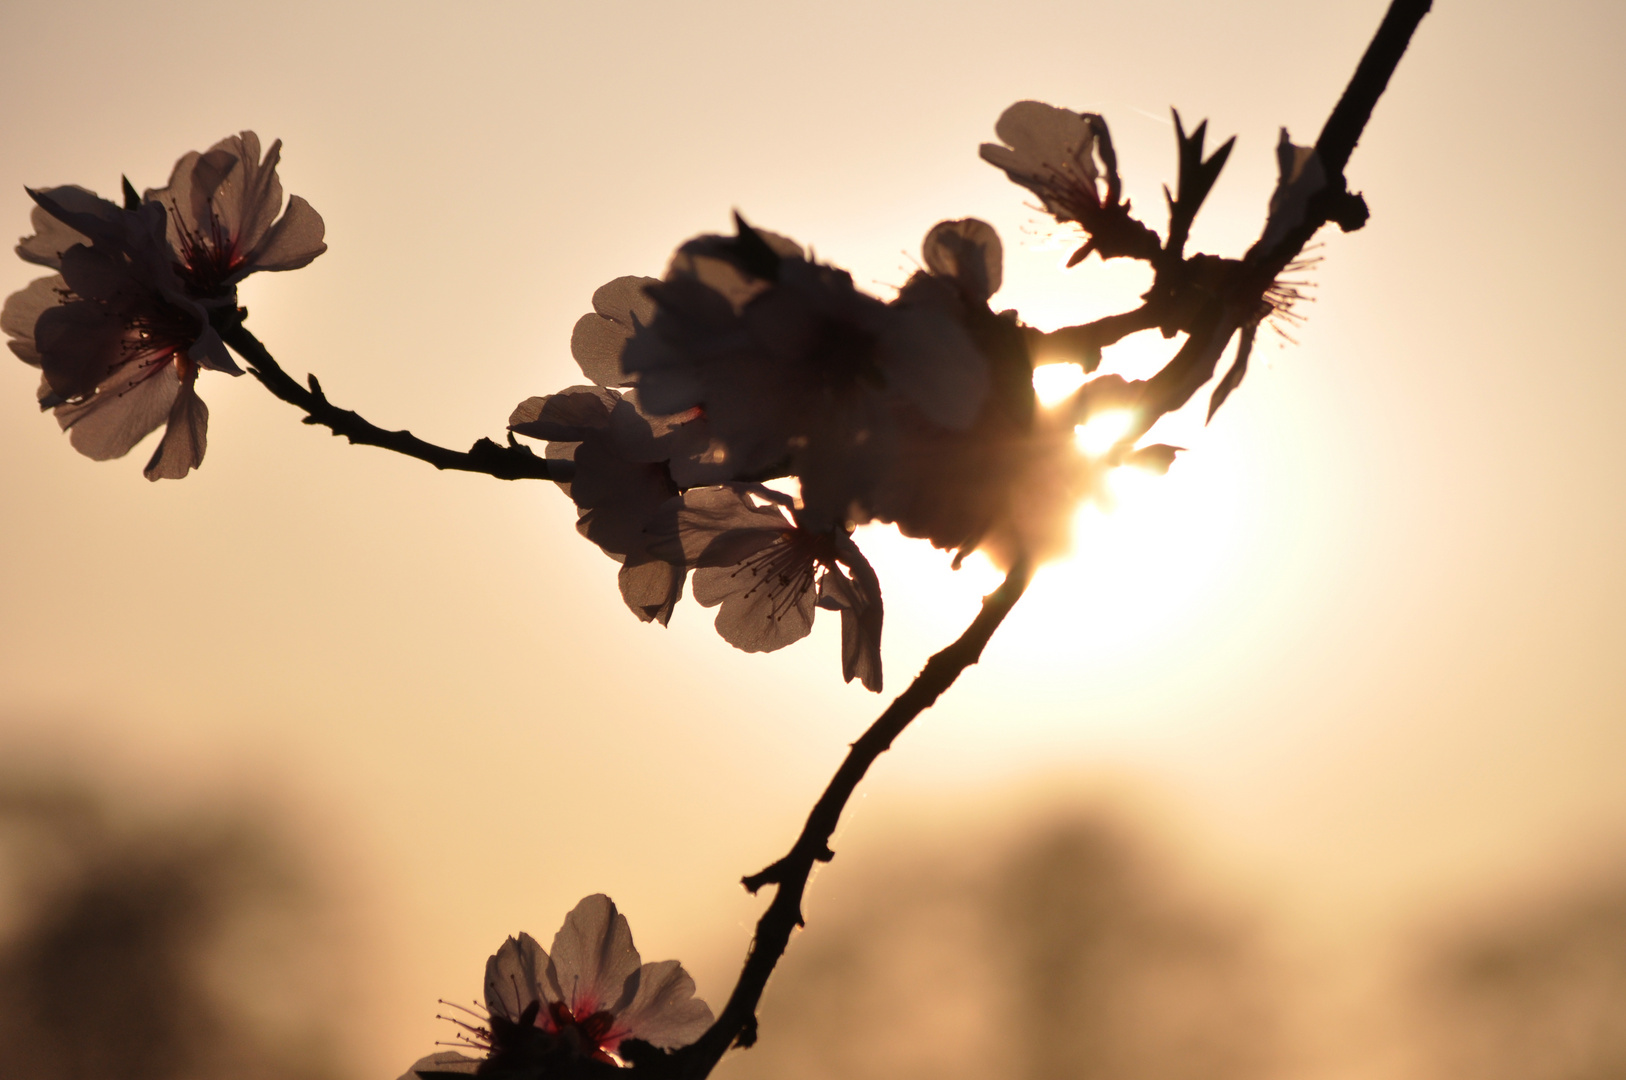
1102 431
1053 382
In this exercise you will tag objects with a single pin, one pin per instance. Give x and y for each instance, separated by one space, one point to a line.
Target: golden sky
1370 655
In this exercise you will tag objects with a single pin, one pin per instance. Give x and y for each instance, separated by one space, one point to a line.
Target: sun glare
1143 566
1102 431
1053 382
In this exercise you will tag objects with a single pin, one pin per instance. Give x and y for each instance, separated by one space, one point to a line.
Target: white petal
185 436
592 959
514 976
120 415
968 251
292 242
620 307
664 1012
23 310
764 607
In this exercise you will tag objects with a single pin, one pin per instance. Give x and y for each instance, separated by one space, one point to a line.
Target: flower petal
651 588
293 241
185 436
514 976
1048 150
664 1012
766 602
620 308
859 601
120 414
23 310
593 961
52 236
715 526
969 251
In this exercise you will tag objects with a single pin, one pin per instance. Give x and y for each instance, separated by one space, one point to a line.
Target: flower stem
511 462
737 1023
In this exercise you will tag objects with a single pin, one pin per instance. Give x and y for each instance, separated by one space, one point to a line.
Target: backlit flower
623 476
582 1000
1066 158
797 370
118 341
223 224
1051 152
766 573
122 332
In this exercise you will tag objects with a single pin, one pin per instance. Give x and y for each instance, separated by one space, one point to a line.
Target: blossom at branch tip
578 1002
223 225
1050 151
767 573
118 340
122 331
1065 158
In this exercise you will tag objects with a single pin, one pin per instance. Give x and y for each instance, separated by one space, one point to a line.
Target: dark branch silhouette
737 1023
511 462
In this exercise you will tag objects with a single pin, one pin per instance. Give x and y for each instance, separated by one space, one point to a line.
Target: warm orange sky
1386 676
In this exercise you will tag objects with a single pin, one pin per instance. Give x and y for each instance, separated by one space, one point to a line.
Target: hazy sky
1364 646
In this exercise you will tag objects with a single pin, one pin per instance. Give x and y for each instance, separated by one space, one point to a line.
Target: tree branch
1343 128
736 1025
511 462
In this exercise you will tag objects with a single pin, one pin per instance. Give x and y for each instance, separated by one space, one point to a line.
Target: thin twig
736 1025
511 462
1082 344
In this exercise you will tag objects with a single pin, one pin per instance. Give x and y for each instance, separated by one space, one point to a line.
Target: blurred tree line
135 947
139 945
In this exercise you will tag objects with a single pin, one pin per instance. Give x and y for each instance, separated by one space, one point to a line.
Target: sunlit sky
1363 642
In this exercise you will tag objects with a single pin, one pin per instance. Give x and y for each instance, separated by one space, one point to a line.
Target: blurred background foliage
141 947
201 943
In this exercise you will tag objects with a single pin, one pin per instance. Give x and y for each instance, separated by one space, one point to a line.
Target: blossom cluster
747 411
750 363
122 329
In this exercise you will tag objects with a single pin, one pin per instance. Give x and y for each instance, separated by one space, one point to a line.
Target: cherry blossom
222 209
1052 152
122 331
766 573
796 370
623 476
581 1000
118 341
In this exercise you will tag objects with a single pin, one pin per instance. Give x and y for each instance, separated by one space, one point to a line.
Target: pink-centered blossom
123 330
223 207
1052 152
118 340
767 573
582 999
